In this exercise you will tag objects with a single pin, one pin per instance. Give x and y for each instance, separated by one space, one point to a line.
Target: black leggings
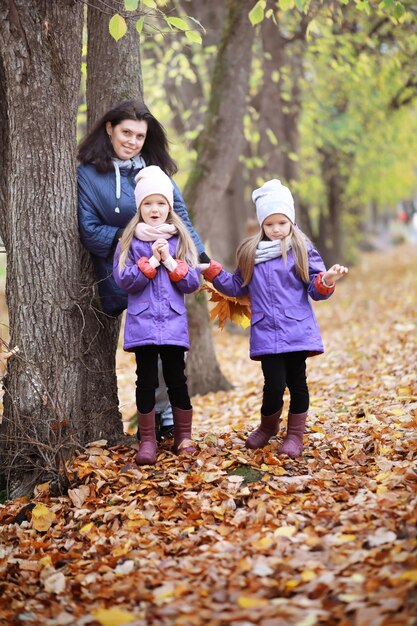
173 369
281 371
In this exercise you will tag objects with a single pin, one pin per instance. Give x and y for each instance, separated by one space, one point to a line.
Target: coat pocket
140 324
257 316
297 313
178 307
138 307
298 325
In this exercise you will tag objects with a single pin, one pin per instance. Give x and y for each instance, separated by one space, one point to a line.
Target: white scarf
267 250
137 162
145 232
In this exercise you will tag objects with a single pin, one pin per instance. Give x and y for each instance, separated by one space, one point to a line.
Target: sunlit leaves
139 24
113 616
398 10
42 518
153 20
285 5
257 14
193 36
177 22
131 5
117 27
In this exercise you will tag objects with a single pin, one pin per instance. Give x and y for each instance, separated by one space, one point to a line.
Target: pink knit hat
152 180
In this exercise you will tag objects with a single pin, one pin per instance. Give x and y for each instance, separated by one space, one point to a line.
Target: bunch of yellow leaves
236 310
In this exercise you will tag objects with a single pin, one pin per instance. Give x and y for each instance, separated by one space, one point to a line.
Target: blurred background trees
330 110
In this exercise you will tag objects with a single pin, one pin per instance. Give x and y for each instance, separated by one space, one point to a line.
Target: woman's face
127 138
154 209
276 226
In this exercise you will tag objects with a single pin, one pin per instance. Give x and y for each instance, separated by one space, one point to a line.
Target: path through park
234 537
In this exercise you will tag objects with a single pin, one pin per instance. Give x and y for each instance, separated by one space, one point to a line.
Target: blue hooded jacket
101 216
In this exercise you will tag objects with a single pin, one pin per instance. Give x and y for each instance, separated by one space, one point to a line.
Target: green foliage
193 36
117 27
177 22
153 21
353 89
257 14
352 81
131 5
286 5
139 24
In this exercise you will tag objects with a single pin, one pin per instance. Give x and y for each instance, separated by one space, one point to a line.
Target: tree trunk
113 67
222 139
280 103
330 237
40 61
113 74
218 150
234 217
190 95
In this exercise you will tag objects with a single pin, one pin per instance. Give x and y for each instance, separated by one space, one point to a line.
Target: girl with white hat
280 270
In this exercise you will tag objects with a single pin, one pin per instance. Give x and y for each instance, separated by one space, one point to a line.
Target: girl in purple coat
279 269
155 264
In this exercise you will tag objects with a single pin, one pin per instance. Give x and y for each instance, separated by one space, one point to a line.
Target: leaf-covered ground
234 537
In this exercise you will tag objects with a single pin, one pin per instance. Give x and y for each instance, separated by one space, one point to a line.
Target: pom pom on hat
152 180
272 198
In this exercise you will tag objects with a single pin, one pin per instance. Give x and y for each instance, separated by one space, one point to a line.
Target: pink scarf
145 232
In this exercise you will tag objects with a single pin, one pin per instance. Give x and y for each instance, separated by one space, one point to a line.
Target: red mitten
180 271
322 289
212 271
146 268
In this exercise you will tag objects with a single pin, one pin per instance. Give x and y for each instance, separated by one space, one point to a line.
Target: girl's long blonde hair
186 250
246 252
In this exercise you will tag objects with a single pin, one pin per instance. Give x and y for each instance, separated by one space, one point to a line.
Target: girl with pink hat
155 263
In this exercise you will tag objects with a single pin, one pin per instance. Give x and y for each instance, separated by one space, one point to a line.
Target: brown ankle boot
183 443
268 428
292 445
146 454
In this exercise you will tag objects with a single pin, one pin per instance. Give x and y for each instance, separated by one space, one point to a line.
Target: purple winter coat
282 316
156 311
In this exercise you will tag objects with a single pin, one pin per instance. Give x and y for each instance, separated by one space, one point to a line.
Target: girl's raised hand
335 273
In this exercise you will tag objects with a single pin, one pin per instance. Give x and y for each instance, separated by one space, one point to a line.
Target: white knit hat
271 198
152 180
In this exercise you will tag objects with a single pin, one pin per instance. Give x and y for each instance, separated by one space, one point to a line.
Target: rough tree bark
330 238
280 102
218 149
40 60
234 208
113 74
113 67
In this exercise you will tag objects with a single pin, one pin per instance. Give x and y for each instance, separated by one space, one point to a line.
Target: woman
126 139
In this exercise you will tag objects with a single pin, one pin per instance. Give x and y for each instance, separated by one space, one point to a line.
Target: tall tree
113 74
40 60
280 99
218 150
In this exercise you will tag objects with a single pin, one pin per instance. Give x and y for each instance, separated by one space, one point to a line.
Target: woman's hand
334 273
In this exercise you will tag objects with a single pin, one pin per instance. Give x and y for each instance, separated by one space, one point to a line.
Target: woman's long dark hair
96 147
